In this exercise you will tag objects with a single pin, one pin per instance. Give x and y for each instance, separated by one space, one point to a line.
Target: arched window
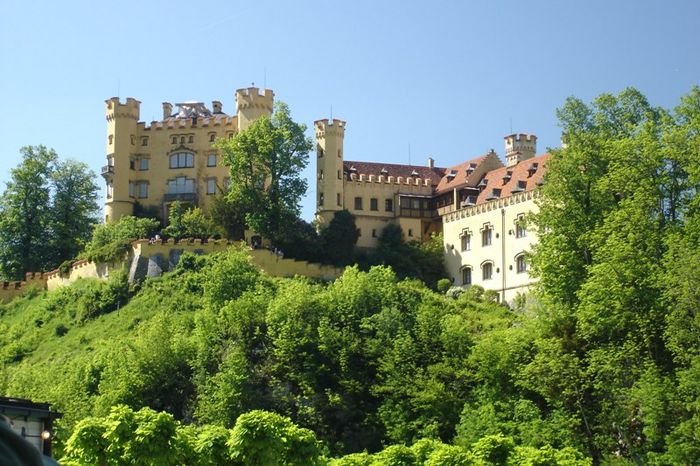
466 276
487 271
520 227
521 264
182 160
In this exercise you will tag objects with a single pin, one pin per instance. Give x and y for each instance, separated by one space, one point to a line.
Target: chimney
431 162
167 110
216 106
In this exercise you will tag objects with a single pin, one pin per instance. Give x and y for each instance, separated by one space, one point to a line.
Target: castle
174 159
479 205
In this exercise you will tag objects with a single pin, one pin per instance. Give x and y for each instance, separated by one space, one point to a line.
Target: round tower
251 104
121 141
329 168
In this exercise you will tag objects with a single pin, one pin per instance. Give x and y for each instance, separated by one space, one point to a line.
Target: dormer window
452 174
507 176
482 184
532 169
495 194
520 187
353 169
414 173
384 171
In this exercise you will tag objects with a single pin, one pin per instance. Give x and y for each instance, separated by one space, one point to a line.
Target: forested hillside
217 363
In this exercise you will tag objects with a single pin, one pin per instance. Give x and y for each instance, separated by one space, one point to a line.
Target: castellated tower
520 147
329 168
251 104
121 142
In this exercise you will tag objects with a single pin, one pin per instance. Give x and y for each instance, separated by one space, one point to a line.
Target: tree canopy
46 212
266 161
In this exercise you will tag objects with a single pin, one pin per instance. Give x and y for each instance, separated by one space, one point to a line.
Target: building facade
150 166
478 205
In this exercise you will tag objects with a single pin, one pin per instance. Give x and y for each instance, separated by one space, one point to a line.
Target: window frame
462 271
374 204
188 160
358 203
484 267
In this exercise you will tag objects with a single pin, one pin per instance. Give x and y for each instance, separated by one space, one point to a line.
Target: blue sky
446 78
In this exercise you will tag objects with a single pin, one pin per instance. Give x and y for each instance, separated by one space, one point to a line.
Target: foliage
46 212
266 161
339 238
111 241
424 261
228 216
188 222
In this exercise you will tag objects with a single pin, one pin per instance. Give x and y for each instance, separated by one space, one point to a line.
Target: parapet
252 97
328 127
381 179
115 109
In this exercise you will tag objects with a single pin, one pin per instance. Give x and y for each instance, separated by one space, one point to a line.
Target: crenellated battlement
390 180
519 147
206 122
252 97
11 289
115 109
328 127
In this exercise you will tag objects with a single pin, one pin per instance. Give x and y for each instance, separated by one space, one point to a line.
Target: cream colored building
479 205
171 159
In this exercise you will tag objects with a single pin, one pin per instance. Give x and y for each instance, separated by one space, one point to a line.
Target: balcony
182 197
108 171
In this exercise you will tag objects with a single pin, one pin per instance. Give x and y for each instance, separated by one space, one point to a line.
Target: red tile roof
524 176
395 170
460 174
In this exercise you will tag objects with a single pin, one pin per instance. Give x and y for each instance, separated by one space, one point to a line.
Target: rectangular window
143 164
373 204
337 199
466 276
181 185
211 160
466 242
320 198
144 141
374 233
174 140
487 271
110 190
410 232
339 176
389 205
486 236
520 230
143 190
358 203
211 186
132 189
132 164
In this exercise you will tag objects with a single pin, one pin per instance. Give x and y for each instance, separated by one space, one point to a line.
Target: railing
108 170
187 197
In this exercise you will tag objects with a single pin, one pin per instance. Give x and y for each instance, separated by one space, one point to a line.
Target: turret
329 168
520 147
121 142
251 105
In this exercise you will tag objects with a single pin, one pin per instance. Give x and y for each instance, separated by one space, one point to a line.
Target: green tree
74 209
188 222
25 221
266 161
111 240
339 238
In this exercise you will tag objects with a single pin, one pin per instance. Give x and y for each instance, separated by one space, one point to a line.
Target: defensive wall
152 258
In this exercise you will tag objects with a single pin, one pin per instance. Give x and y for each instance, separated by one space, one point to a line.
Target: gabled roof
391 169
529 172
461 175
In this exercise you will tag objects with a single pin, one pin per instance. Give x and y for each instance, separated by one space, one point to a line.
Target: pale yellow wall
329 168
502 214
382 188
131 142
